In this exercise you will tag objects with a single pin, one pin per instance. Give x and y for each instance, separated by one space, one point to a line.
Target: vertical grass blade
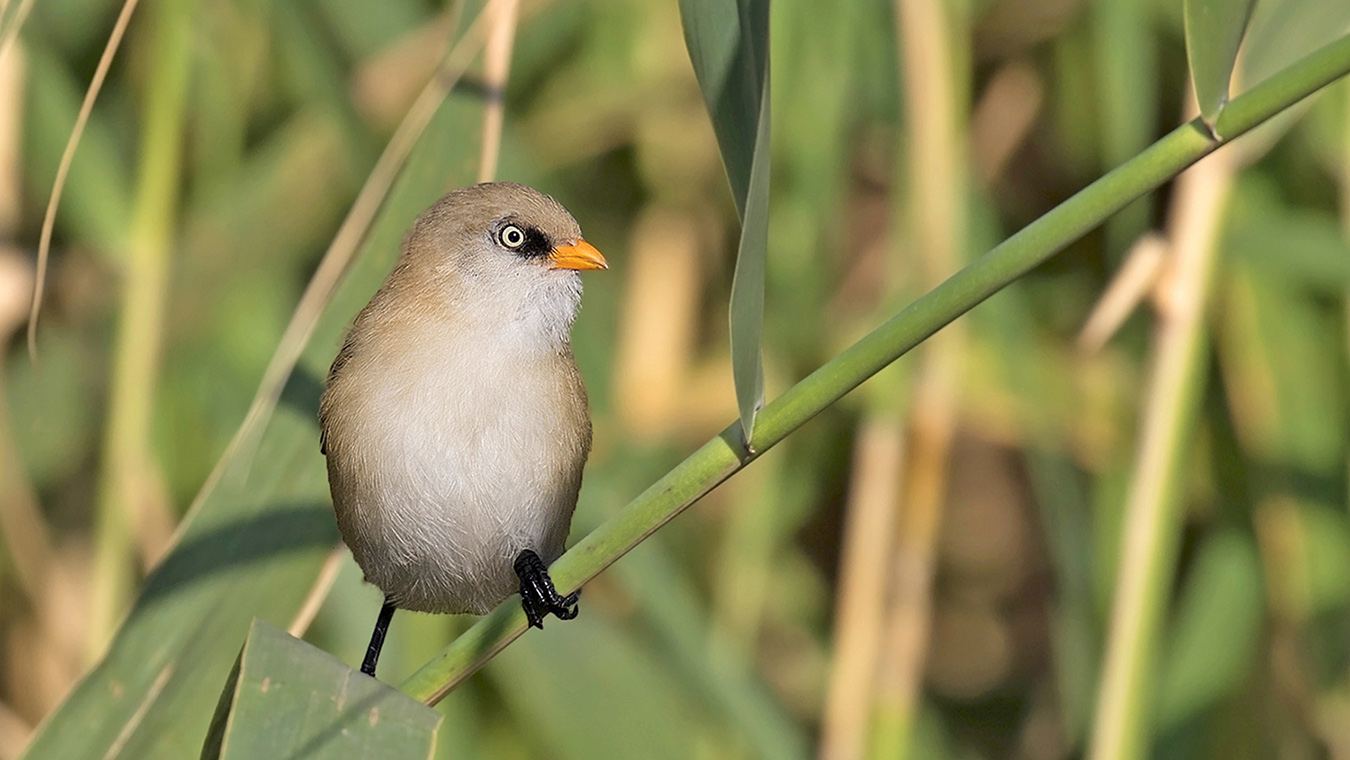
1214 30
728 43
128 492
747 284
1151 532
931 40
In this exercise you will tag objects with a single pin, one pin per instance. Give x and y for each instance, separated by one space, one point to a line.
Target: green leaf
287 699
747 284
1218 622
728 43
1278 35
1282 31
257 533
1214 30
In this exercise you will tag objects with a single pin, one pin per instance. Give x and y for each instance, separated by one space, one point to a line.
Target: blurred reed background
926 569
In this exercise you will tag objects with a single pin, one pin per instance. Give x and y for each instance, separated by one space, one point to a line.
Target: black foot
377 638
537 593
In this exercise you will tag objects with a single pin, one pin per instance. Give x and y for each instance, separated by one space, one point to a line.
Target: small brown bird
454 420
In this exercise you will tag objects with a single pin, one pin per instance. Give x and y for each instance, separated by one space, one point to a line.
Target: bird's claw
538 596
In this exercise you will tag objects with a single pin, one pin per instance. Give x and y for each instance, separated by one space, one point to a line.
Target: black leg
377 638
538 595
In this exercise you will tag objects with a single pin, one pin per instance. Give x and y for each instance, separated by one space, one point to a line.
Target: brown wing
343 356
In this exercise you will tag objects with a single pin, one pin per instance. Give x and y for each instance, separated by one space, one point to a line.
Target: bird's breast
458 455
479 428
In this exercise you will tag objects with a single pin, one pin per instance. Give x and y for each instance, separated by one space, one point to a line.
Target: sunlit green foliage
713 638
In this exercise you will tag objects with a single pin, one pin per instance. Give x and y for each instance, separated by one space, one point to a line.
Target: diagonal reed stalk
358 222
723 456
354 227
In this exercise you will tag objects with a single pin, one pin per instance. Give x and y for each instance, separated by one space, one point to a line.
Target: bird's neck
542 315
522 313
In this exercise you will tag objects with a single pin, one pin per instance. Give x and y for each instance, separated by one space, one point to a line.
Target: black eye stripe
533 242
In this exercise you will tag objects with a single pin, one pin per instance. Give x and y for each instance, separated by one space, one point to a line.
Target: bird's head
503 226
503 251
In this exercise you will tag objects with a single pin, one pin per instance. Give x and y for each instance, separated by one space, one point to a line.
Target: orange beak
578 255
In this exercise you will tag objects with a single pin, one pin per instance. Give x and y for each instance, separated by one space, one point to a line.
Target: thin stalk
1152 510
13 80
323 584
869 530
496 69
931 40
1134 281
353 230
1008 109
63 170
721 457
1345 212
11 24
912 566
127 479
900 479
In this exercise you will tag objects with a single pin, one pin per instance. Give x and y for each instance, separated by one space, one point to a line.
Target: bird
454 420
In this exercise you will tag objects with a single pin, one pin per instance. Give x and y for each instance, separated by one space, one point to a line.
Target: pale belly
452 481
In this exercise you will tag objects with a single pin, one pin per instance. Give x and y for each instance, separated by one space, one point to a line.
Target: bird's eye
511 236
